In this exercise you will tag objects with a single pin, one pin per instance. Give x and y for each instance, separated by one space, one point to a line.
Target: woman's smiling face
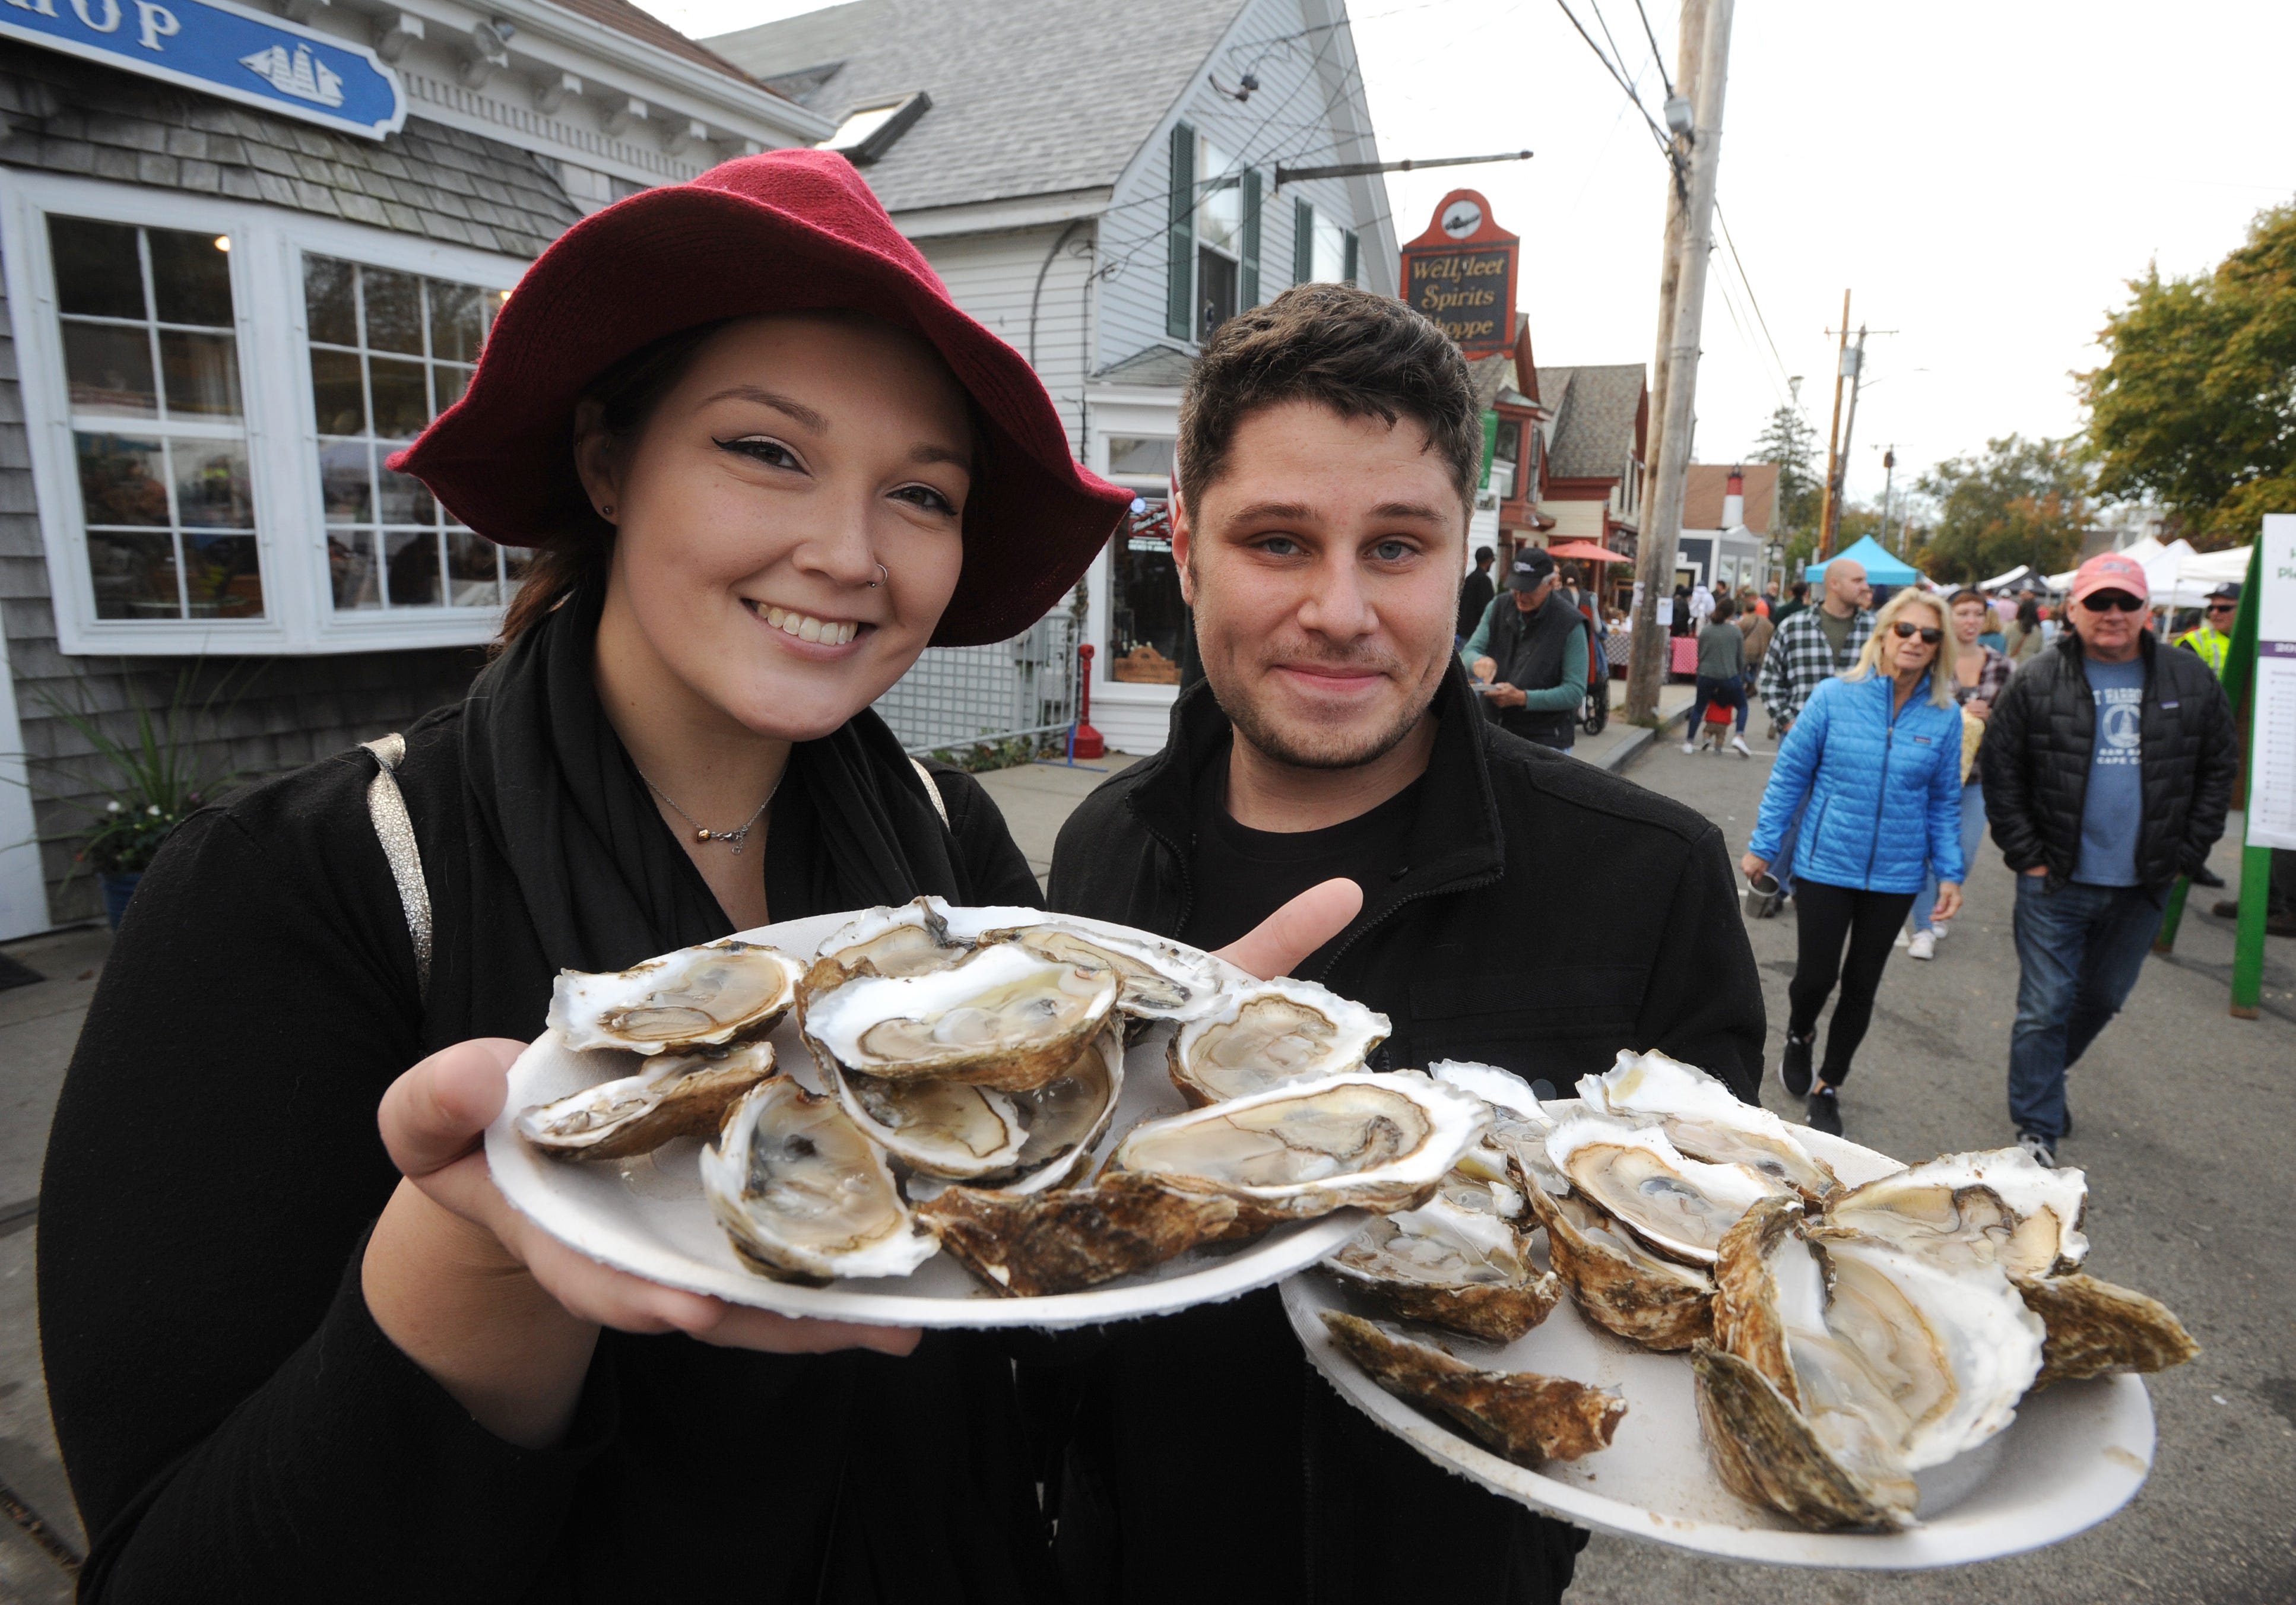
799 459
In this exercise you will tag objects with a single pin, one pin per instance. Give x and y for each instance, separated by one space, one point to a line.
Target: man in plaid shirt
1815 644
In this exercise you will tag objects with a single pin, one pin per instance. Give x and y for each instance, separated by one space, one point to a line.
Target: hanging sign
221 49
1460 274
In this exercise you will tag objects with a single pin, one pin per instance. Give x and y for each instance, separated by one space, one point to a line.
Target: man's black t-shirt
1241 875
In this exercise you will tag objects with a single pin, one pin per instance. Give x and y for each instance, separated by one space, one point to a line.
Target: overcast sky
1983 177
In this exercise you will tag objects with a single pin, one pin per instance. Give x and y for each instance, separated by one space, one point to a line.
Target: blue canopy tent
1882 569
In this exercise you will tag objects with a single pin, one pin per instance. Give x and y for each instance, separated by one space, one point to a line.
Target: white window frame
282 436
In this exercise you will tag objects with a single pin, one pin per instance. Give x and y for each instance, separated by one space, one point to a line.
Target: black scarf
604 879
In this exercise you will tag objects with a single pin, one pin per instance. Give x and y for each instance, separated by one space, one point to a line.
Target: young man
1475 592
2108 764
1329 448
1531 650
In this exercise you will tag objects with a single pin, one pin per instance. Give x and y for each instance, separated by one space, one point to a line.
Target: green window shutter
1490 419
1180 302
1349 273
1303 242
1251 294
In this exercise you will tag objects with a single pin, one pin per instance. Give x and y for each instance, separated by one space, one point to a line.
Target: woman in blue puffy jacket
1876 758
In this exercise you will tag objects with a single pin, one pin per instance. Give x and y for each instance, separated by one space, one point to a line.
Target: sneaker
1793 1068
1690 746
1738 745
1825 1112
2207 877
1924 944
2042 1151
1904 937
2226 908
1940 929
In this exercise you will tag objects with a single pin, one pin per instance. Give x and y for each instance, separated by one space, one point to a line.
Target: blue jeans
1973 836
1730 692
2079 950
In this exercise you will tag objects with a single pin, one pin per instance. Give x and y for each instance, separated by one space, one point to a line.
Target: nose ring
881 569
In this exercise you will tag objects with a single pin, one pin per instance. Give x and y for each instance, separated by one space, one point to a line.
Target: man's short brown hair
1362 356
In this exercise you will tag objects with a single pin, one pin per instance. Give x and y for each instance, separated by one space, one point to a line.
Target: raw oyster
1858 1363
1062 1240
1268 1034
1066 1116
696 996
1000 1017
1527 1418
1452 1261
947 1129
1624 1287
1706 1120
914 938
1518 1126
1161 980
2095 1328
1379 1142
2001 1205
1679 1206
804 1195
677 1095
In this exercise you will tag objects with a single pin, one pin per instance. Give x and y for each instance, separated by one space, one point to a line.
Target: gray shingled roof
1594 422
1157 365
70 116
1030 97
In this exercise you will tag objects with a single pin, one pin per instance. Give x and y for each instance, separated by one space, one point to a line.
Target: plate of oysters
1657 1311
939 1115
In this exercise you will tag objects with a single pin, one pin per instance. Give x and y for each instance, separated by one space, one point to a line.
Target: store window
1144 612
158 429
389 351
1507 455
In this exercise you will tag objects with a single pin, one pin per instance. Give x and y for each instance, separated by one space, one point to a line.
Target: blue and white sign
221 49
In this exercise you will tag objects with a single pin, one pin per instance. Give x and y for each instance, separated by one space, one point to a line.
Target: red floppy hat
789 231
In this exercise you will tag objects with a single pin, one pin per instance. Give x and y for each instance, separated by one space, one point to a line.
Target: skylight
869 131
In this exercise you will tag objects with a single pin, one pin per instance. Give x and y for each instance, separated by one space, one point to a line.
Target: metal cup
1761 897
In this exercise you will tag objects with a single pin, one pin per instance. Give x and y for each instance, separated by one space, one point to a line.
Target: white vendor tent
2010 579
2177 576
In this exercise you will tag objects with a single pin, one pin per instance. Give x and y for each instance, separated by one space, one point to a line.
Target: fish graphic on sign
300 75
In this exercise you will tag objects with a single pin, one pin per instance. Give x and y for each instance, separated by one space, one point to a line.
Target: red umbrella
1587 552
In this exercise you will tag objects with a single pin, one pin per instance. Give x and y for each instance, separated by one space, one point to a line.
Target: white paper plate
2076 1454
647 1216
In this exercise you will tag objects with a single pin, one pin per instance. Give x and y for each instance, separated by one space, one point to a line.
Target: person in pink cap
2109 765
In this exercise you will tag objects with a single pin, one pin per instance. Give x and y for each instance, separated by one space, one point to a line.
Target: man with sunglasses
2213 641
2109 765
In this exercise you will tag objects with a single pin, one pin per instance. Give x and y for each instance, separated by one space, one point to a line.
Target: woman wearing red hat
764 463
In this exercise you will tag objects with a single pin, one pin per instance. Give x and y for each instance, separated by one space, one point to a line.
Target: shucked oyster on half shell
1518 1126
1454 1262
804 1195
675 1095
1529 1418
696 996
913 938
1622 1286
1706 1120
1160 981
1269 1033
1379 1142
2001 1205
1677 1205
1001 1017
1066 1116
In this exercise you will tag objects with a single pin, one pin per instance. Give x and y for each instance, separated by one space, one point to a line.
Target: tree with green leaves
2019 501
1788 441
2196 406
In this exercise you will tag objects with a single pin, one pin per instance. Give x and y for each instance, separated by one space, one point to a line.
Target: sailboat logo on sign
300 75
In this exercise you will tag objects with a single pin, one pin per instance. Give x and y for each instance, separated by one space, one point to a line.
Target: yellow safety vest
2212 646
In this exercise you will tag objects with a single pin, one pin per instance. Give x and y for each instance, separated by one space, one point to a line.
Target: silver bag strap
392 827
933 792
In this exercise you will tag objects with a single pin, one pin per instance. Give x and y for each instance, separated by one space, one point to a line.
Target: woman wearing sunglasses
1876 758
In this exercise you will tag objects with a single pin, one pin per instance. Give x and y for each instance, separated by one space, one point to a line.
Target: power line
1752 298
1617 75
1658 57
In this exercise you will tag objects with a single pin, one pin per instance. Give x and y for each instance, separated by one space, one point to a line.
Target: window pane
201 372
450 384
1220 214
190 278
405 500
327 300
456 327
1144 608
135 575
1130 454
394 311
121 480
223 579
97 272
338 396
212 487
402 401
110 371
471 570
411 557
515 563
345 491
351 566
1331 251
1215 291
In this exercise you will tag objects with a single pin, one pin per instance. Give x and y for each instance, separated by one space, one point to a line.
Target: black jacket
1472 952
2035 762
1475 594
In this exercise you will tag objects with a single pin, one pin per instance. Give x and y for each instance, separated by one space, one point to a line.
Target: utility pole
1692 40
1855 360
1661 513
1889 483
1833 441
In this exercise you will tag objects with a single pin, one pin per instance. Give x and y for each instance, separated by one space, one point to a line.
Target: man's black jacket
1481 945
2035 762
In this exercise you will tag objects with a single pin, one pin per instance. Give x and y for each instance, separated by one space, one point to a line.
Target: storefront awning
1586 552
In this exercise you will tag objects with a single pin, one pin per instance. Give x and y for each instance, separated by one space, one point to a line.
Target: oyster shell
1527 1418
1161 980
1067 1116
1677 1205
1452 1261
914 938
1269 1033
804 1195
694 996
1378 1141
946 1129
2095 1328
1063 1240
1001 1017
1624 1287
1706 1120
677 1095
1518 1126
2001 1205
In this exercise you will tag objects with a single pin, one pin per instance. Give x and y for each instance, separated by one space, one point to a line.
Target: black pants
1825 915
